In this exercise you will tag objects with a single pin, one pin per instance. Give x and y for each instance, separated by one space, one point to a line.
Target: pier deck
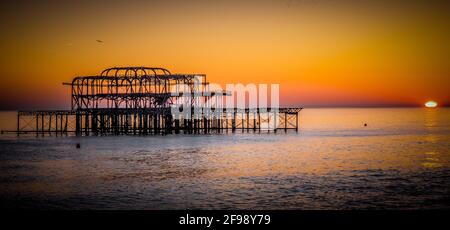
152 121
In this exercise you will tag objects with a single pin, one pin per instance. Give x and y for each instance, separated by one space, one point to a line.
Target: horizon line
303 107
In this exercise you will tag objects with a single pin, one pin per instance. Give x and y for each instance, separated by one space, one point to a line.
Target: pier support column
42 124
285 122
18 123
145 124
233 122
248 120
177 126
94 123
254 122
77 123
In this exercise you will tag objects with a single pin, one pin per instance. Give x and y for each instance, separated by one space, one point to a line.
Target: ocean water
400 160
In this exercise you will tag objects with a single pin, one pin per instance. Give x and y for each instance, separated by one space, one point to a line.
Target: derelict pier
145 101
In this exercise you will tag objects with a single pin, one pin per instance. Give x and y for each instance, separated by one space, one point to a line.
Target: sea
400 160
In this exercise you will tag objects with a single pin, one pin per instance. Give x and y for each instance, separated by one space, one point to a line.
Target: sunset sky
322 53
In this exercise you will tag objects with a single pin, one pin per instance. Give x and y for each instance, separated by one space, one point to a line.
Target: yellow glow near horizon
431 104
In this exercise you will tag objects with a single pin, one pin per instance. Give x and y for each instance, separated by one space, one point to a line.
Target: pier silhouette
140 101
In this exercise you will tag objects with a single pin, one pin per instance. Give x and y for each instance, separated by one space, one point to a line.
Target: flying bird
100 41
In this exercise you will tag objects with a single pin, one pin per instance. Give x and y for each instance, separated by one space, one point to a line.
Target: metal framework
139 100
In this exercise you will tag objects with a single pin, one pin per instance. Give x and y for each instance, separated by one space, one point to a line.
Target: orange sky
322 53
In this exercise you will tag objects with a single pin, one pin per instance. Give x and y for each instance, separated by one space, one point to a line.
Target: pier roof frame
136 70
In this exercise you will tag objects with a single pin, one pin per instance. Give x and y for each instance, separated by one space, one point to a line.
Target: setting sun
431 104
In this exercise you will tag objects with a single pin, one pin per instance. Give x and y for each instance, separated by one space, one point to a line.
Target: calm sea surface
401 160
